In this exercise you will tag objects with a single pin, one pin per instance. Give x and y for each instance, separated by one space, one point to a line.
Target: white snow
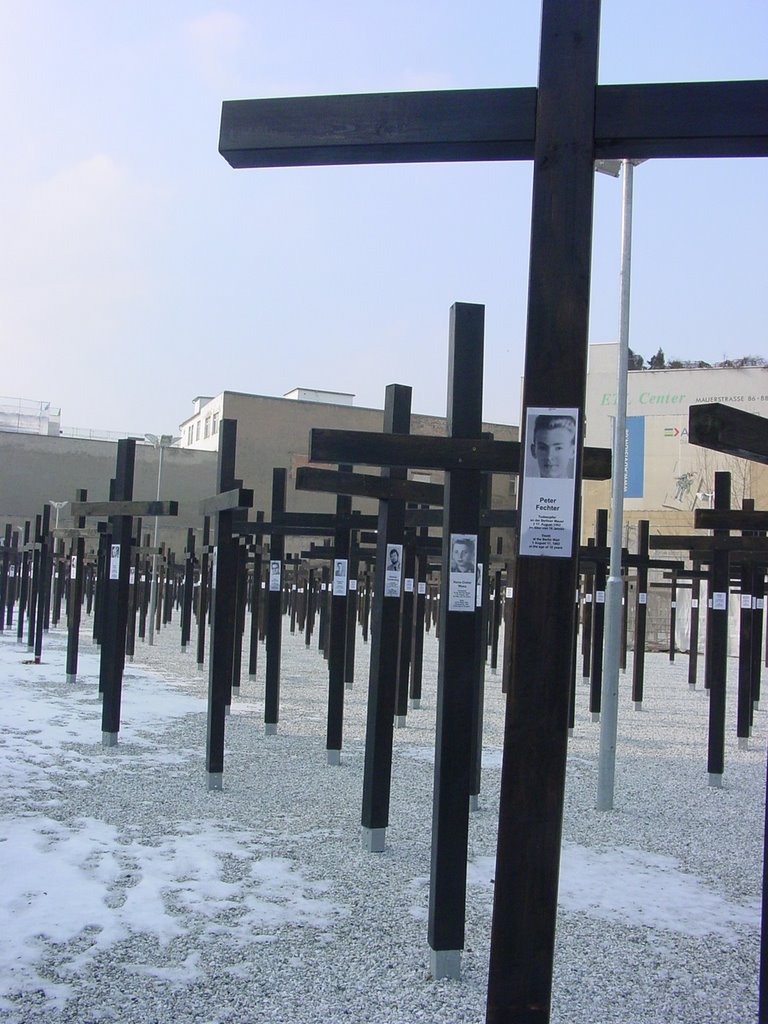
129 892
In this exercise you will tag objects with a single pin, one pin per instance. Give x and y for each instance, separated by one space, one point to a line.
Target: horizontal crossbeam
363 485
733 431
368 448
733 519
227 501
631 121
124 508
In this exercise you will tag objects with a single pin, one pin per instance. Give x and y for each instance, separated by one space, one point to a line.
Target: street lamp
58 505
606 767
160 442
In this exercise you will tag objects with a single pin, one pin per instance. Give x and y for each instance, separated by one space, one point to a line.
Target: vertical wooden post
75 605
457 666
189 589
23 583
202 600
718 629
43 582
598 618
116 585
339 589
693 642
377 775
536 730
274 609
253 648
641 614
222 611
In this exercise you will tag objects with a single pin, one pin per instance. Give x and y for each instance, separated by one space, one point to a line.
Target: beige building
666 478
274 432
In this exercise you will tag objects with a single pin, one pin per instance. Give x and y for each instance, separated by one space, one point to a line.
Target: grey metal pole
153 588
606 768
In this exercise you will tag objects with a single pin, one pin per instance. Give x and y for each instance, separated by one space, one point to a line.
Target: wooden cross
563 125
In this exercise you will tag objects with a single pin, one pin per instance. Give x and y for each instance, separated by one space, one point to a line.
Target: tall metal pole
606 768
153 588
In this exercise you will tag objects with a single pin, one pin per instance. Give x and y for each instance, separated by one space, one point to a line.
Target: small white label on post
479 586
72 568
132 575
720 601
462 579
274 575
600 597
353 584
746 602
509 591
393 570
694 602
114 562
408 586
340 577
673 604
422 588
642 598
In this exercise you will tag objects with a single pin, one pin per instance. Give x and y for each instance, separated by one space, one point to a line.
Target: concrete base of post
109 739
715 780
236 690
129 658
756 705
270 728
215 782
200 668
637 705
474 802
374 840
400 721
415 703
71 678
348 686
691 686
445 963
334 757
595 716
743 743
570 733
251 679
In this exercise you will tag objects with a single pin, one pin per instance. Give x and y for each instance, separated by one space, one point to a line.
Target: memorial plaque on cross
564 125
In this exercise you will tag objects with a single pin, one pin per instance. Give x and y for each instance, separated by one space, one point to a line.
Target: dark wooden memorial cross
564 125
735 432
121 508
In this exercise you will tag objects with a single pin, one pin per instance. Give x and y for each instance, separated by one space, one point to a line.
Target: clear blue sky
137 269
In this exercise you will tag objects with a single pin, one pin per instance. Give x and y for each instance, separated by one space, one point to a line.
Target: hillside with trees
660 362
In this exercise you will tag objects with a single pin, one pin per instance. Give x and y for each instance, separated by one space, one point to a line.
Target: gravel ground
361 952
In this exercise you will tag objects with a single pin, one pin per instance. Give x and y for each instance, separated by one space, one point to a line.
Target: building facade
665 477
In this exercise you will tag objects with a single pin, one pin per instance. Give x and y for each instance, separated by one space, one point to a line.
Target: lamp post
58 505
160 442
606 766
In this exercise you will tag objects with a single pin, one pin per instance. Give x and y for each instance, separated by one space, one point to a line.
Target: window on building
207 428
215 424
197 431
190 431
